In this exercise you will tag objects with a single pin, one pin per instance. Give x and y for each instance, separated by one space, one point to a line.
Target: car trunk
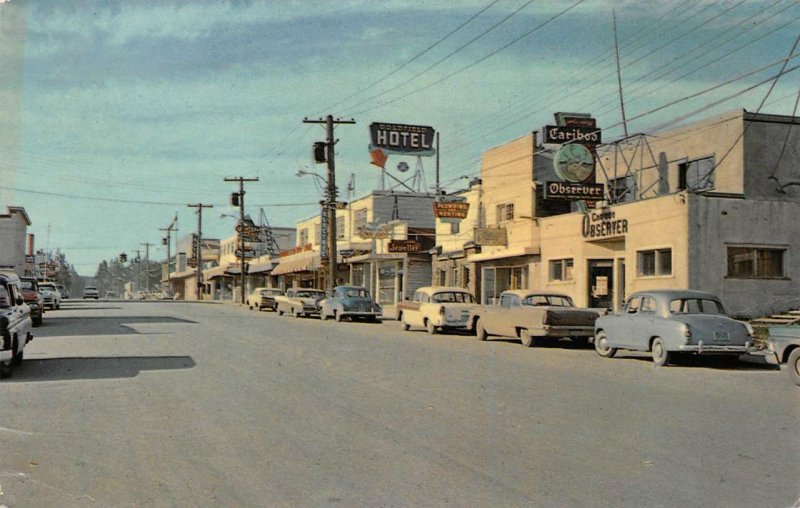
560 316
716 329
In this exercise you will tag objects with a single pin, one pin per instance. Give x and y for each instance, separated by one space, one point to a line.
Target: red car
31 295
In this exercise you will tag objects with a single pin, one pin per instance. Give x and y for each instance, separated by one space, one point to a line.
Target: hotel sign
572 191
404 246
450 210
603 224
491 236
401 139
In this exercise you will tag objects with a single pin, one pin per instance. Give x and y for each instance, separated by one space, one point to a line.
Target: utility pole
169 229
197 254
330 205
240 230
146 266
619 76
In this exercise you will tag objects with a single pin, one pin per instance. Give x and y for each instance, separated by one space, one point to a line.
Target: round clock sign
573 163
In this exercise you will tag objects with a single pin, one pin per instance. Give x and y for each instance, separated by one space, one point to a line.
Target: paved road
180 404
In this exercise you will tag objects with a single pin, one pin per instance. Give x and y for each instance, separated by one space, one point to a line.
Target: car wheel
337 317
17 360
280 313
480 331
659 352
602 346
6 368
580 342
323 316
526 338
794 366
406 326
298 315
430 327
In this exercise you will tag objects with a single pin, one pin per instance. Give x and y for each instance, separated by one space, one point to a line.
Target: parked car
669 322
534 315
30 293
263 298
783 346
63 291
90 292
15 323
299 302
111 295
437 308
352 302
50 294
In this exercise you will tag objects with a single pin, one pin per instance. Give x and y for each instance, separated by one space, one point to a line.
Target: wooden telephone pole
240 230
330 201
197 255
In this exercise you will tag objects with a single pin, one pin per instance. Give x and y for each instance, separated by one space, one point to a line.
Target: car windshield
548 300
309 294
696 306
48 287
452 297
354 292
270 292
26 284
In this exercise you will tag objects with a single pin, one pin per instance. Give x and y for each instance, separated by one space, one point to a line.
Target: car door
620 330
507 314
413 316
643 324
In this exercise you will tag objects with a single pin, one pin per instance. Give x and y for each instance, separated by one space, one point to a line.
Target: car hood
30 296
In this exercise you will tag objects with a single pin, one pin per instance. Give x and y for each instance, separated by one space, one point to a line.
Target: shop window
505 212
304 237
455 228
696 175
623 189
340 228
360 219
651 263
756 262
561 269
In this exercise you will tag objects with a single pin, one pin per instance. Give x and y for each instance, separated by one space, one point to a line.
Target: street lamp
328 213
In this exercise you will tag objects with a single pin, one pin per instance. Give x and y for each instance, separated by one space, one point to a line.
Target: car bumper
703 349
771 358
569 331
361 313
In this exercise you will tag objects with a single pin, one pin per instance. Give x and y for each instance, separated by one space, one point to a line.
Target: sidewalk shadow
113 367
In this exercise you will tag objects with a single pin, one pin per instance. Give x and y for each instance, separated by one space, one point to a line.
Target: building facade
708 206
13 239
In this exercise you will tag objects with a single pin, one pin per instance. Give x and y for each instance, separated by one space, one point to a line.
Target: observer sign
573 191
401 139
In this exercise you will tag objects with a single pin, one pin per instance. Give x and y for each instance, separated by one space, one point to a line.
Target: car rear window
695 306
452 297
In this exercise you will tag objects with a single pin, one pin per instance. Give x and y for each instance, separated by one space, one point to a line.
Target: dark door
601 283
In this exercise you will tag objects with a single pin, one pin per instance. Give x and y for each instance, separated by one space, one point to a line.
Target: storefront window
756 262
387 273
561 269
655 262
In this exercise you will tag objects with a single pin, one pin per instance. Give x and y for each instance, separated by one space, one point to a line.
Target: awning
292 264
261 267
217 271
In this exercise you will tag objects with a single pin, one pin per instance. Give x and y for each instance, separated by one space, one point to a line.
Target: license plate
721 337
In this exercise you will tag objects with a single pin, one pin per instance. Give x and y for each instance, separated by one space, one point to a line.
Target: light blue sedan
669 322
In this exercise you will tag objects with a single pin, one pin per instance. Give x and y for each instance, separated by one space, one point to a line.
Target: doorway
601 283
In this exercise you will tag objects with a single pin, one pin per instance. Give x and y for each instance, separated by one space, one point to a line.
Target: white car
437 308
50 294
15 323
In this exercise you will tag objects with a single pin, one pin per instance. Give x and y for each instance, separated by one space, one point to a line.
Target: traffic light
123 257
235 199
318 152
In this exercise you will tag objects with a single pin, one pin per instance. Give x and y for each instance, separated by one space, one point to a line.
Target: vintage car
90 292
15 323
437 308
534 315
299 302
669 322
352 302
50 294
31 295
263 298
783 346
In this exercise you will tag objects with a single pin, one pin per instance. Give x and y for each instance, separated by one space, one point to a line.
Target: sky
117 115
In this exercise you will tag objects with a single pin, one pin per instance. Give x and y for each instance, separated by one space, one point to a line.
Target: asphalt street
191 404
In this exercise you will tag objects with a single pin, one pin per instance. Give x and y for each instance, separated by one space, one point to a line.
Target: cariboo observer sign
401 139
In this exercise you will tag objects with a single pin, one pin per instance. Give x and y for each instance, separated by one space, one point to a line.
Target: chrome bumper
701 348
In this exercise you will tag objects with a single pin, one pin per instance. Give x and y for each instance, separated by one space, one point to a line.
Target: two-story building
382 241
708 206
13 237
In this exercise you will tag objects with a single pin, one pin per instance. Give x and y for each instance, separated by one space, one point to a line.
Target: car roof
676 294
523 293
442 289
351 287
9 276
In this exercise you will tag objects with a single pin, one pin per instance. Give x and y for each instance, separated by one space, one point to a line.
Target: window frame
684 171
567 270
505 212
782 249
658 253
